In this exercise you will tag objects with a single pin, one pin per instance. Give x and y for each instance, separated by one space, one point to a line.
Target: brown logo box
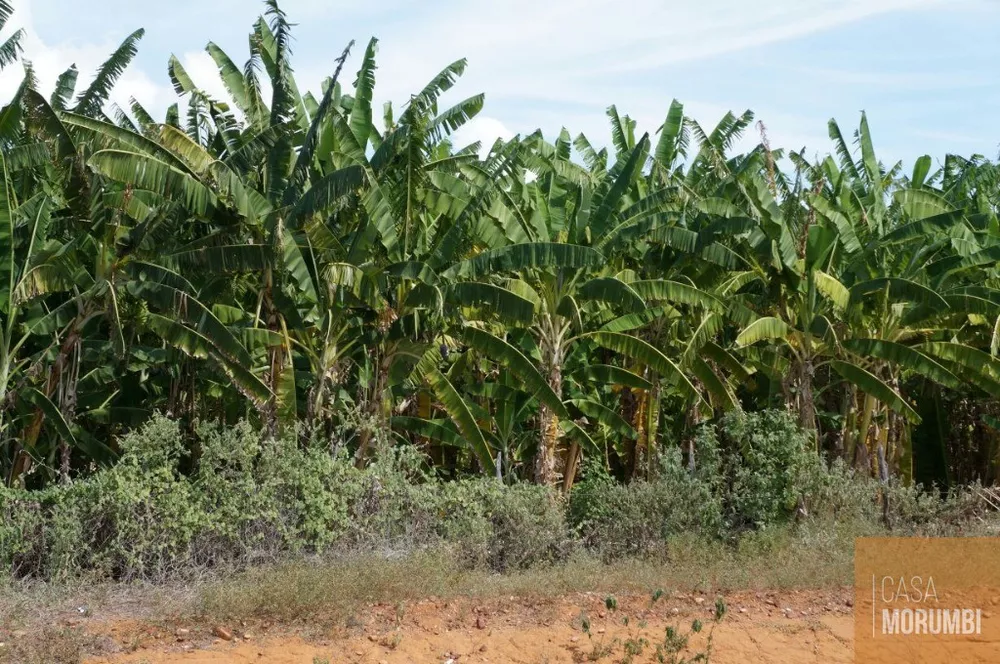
927 601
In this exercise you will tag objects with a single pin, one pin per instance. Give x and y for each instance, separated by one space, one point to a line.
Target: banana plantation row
515 309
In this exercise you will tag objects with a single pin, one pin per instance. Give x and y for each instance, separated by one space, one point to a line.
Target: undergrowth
247 502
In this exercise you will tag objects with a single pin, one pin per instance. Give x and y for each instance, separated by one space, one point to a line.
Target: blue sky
924 70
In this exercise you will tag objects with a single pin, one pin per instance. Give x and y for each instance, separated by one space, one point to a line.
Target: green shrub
245 501
766 466
638 518
843 495
248 501
528 527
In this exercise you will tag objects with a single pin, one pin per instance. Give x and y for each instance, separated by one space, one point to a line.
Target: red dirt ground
765 627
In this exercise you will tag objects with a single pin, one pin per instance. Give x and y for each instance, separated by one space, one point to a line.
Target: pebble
181 632
699 600
223 633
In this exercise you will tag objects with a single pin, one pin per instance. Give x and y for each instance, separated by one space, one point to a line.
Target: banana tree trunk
904 450
900 449
572 461
692 420
434 448
848 413
641 424
629 405
806 401
22 460
881 467
67 406
545 460
4 378
860 457
545 471
375 410
275 357
652 428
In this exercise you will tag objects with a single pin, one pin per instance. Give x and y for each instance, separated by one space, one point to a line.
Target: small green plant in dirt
600 650
635 643
675 642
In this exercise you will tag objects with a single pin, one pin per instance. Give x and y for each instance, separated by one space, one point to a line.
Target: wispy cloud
558 49
567 60
50 60
896 79
562 62
949 136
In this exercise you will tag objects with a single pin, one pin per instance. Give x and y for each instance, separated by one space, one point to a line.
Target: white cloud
202 70
557 50
51 60
484 129
562 62
541 64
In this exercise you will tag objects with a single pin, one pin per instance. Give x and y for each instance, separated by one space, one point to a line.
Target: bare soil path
765 627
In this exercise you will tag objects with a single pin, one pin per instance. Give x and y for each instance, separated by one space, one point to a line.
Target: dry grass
51 645
311 591
336 589
43 622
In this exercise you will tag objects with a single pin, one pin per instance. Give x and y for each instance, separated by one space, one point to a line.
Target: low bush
247 501
765 465
622 520
752 472
749 471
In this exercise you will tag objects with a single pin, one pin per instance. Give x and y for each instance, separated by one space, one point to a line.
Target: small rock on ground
223 633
